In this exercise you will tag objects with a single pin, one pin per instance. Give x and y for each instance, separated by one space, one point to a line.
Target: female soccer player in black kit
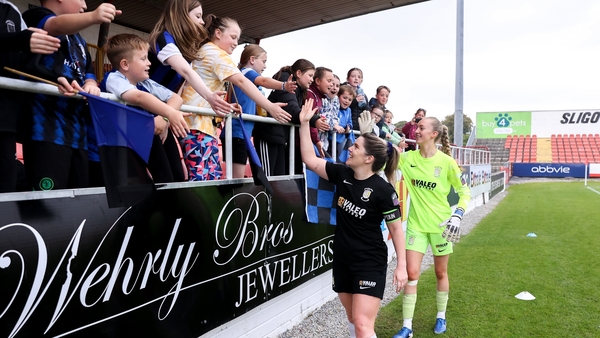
364 199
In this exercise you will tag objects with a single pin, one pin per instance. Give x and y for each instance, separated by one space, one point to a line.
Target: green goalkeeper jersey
428 181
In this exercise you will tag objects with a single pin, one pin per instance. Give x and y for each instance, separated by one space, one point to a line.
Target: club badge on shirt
437 171
366 194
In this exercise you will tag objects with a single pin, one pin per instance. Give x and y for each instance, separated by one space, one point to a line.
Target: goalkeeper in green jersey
429 174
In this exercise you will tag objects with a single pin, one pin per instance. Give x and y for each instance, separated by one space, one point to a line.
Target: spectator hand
220 106
321 124
91 87
161 127
339 129
105 13
68 89
452 231
42 43
365 122
278 114
290 86
177 123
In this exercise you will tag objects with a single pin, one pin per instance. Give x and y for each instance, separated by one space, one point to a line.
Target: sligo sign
179 265
580 117
548 170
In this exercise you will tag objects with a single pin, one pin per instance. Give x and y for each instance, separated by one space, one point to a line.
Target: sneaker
440 326
404 333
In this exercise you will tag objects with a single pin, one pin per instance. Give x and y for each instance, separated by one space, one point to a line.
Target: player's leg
441 254
416 246
341 283
368 286
364 312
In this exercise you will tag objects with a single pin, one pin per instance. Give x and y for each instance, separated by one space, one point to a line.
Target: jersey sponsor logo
423 184
366 194
366 284
413 166
437 171
346 182
350 208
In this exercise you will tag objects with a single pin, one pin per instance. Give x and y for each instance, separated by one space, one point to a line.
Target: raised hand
365 122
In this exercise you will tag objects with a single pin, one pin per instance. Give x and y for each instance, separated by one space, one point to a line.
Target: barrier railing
464 156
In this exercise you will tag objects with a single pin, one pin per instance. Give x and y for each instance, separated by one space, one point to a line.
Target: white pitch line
594 190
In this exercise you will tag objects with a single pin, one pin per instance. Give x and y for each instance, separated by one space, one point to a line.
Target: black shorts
239 154
363 280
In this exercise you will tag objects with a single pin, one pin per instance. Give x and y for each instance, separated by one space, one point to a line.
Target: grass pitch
496 261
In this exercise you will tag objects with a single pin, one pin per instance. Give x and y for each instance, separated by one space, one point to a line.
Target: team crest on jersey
437 171
366 194
341 201
10 26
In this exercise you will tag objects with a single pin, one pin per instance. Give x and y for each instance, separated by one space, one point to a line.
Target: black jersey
58 119
361 207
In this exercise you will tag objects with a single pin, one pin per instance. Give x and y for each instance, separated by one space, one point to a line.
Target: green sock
408 305
441 298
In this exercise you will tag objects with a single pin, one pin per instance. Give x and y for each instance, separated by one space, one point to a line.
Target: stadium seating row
568 148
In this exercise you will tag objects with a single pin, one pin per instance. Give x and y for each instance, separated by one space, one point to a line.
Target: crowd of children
185 61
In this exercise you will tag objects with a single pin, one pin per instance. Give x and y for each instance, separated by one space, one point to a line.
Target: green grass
496 261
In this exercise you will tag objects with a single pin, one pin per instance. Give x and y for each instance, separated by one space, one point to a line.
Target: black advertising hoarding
497 183
179 265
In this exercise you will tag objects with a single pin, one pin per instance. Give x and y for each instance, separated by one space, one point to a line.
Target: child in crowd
345 136
381 98
128 55
174 43
390 129
359 104
253 62
57 148
271 140
215 67
323 81
331 107
14 39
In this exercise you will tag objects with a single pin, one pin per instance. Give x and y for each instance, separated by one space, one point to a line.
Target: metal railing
464 156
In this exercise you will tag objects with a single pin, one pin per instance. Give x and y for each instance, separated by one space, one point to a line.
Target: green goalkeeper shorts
419 241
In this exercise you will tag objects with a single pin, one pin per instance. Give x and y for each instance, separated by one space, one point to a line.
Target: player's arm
309 157
267 82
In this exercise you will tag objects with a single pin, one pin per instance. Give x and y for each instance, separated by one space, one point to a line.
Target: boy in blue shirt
128 55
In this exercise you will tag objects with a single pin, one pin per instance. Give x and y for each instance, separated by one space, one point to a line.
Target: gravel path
330 319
